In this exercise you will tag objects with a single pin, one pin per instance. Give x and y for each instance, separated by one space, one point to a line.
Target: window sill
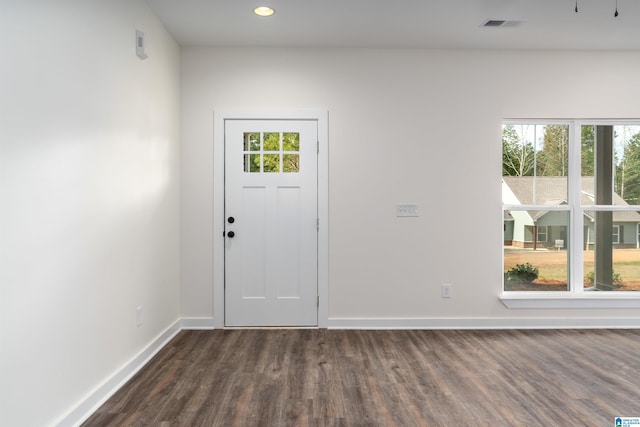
570 299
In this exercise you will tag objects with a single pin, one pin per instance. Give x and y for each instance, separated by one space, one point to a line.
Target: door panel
287 244
252 234
271 244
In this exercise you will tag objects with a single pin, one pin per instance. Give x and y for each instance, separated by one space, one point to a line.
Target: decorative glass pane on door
271 152
271 142
290 163
252 141
272 163
291 141
252 162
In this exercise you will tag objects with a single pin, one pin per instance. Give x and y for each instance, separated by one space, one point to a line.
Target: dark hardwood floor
384 378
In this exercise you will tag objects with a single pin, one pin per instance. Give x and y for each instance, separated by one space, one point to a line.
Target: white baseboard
103 392
484 323
197 323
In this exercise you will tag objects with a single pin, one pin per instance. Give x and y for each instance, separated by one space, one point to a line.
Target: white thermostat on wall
141 45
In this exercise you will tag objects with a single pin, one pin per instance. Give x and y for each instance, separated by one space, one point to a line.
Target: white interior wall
405 126
89 198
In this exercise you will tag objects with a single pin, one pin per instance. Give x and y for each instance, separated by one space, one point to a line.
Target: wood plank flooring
384 378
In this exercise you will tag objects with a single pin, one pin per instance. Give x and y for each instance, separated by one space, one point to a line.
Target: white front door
271 212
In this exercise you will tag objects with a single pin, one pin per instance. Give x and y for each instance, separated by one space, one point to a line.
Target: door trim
322 118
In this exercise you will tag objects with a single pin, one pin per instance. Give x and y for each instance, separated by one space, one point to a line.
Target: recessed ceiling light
263 11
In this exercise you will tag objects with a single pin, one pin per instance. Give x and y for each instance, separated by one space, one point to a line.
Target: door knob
231 220
231 234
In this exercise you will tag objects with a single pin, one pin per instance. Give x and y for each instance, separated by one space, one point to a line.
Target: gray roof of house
552 191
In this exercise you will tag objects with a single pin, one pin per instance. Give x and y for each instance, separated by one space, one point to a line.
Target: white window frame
576 297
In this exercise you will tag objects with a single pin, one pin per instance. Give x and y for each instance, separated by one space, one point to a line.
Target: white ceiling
546 24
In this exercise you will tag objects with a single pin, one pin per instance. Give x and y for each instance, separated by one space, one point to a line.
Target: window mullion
576 265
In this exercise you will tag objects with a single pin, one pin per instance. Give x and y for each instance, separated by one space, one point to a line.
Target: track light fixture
615 15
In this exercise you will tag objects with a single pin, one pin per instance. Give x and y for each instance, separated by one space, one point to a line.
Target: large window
571 205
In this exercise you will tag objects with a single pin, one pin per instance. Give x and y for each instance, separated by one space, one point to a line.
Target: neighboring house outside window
551 225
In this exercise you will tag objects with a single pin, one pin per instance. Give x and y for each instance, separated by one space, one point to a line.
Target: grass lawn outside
552 267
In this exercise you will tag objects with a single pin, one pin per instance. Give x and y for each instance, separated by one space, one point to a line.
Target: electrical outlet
446 290
139 316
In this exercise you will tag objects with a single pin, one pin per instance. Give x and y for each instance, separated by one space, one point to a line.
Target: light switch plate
407 210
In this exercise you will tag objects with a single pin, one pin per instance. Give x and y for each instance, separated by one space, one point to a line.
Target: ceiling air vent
501 23
493 23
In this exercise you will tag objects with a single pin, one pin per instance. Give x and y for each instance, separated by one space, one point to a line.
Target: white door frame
219 117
